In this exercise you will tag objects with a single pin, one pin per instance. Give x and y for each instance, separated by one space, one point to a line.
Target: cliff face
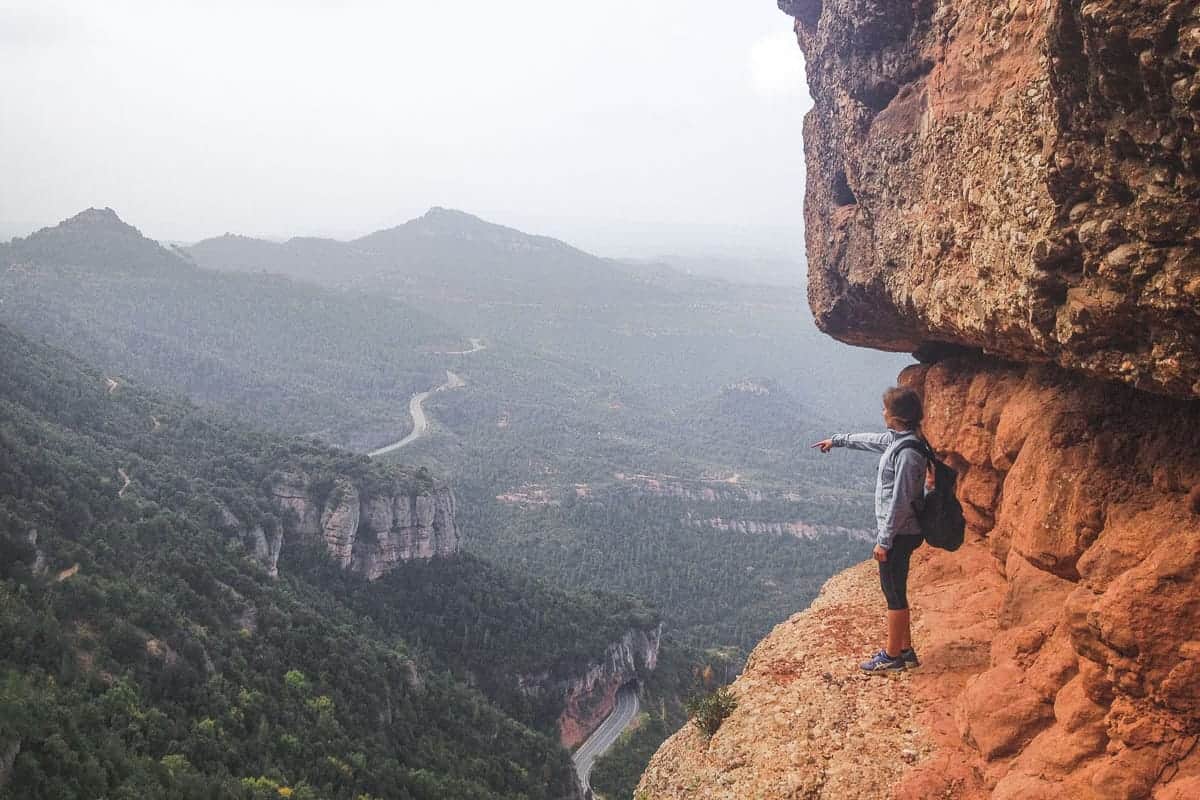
368 531
1085 495
590 694
1019 177
1016 179
1059 644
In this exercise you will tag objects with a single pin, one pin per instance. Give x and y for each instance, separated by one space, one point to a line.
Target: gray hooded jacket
899 483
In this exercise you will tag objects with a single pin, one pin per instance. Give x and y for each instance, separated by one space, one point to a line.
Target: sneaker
882 662
910 657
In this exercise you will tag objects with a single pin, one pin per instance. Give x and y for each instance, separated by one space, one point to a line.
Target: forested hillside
282 354
148 654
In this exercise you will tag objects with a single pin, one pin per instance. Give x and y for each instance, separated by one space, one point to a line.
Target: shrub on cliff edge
708 711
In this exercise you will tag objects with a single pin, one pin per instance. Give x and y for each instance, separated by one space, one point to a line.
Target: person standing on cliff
899 485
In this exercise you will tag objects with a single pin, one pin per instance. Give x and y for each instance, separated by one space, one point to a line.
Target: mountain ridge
95 236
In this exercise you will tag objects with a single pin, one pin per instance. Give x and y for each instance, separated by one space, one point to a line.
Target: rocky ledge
808 725
1059 645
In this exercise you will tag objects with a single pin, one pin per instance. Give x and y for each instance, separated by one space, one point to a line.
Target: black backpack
941 515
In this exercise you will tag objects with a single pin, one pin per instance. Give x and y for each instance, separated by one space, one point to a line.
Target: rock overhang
1021 178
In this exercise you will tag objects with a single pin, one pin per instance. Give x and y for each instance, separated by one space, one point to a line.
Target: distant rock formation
590 693
369 531
798 529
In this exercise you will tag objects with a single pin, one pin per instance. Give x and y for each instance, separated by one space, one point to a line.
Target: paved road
420 421
476 346
604 736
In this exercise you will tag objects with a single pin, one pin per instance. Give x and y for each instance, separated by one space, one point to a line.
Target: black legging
893 573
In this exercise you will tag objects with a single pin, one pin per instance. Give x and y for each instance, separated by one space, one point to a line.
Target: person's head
902 408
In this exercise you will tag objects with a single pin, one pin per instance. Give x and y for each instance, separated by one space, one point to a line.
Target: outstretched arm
874 442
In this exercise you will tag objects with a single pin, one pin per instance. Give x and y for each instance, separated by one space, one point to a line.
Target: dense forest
148 654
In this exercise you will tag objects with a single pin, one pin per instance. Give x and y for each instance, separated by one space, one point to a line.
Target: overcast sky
592 121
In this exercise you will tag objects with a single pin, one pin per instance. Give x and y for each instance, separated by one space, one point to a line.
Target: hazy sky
584 120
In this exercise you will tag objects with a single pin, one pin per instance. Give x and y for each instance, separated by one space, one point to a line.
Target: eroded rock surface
589 694
1017 176
367 529
1093 686
808 725
1060 647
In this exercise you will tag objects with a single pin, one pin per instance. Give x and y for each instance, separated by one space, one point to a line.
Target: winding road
603 737
627 705
476 345
420 421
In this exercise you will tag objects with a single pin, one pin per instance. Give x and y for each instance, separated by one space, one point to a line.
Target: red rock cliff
1019 176
1009 188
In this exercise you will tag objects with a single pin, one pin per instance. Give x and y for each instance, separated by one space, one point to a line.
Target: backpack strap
920 445
914 443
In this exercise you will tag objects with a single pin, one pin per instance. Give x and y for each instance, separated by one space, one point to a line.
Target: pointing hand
825 445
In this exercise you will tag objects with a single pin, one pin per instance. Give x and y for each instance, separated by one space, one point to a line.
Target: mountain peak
92 216
91 221
95 237
436 212
451 219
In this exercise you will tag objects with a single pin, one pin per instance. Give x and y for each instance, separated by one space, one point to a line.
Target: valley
639 434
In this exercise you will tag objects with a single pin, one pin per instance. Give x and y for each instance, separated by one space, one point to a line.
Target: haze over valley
606 427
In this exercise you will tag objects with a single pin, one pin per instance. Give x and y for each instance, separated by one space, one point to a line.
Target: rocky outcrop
1085 494
263 546
368 530
795 528
1003 180
1059 644
808 726
589 694
1019 177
